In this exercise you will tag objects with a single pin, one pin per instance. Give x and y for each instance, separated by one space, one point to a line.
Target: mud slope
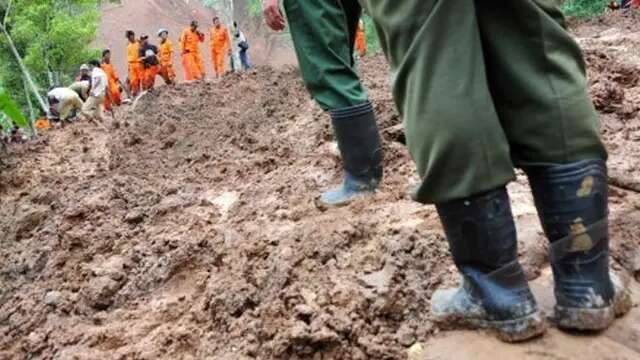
188 229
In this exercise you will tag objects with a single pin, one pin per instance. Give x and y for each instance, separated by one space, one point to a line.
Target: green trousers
323 33
483 87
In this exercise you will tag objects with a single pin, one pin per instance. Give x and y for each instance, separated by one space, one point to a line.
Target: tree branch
6 13
25 71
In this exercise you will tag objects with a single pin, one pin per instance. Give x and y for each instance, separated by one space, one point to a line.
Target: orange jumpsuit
191 58
113 87
361 41
167 71
136 69
150 74
220 45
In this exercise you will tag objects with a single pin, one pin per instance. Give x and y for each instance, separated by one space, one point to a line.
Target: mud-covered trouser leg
483 87
323 33
494 293
572 205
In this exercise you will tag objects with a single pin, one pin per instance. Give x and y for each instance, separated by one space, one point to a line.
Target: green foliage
12 112
584 8
254 8
373 43
53 38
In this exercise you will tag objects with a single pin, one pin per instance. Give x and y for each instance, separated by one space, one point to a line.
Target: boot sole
511 331
585 319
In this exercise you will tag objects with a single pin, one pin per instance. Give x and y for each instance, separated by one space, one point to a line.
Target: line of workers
98 85
146 61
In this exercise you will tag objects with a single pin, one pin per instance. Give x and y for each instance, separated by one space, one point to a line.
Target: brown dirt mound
188 230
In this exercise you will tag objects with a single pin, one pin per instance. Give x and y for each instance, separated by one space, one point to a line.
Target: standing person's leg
107 103
537 77
244 58
171 73
152 73
116 97
201 71
136 71
214 60
322 36
220 63
165 74
462 154
188 67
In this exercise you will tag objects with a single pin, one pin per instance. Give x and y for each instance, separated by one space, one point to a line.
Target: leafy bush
584 8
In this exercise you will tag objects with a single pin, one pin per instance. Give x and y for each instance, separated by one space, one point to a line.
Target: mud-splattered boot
358 138
494 293
572 205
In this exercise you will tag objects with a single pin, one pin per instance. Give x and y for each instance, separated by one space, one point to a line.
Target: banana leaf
12 111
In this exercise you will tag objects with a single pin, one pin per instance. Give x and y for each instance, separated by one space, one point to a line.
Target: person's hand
273 15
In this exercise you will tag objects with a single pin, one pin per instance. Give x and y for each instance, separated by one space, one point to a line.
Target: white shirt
240 38
63 94
99 82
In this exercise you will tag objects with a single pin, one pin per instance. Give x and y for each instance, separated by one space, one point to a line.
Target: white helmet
162 31
84 67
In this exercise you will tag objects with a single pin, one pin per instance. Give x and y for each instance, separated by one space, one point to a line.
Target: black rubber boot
572 202
358 138
494 293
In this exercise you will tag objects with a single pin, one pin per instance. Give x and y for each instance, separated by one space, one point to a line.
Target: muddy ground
188 228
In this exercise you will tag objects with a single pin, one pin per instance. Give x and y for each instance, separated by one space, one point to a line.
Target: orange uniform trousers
136 77
193 66
150 74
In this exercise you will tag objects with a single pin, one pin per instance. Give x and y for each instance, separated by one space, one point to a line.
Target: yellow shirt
166 53
133 52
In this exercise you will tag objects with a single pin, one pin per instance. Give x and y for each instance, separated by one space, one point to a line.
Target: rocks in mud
36 342
100 291
406 335
134 217
108 278
52 298
379 281
607 96
28 219
416 352
132 139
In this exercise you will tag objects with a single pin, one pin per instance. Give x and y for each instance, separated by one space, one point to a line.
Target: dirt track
188 230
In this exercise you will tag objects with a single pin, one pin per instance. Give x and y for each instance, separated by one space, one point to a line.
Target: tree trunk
31 112
25 72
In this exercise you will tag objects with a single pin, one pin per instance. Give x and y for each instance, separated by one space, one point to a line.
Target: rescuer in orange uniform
220 46
361 40
150 62
167 71
113 89
136 69
192 61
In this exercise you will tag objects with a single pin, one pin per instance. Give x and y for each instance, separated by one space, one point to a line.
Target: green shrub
584 8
